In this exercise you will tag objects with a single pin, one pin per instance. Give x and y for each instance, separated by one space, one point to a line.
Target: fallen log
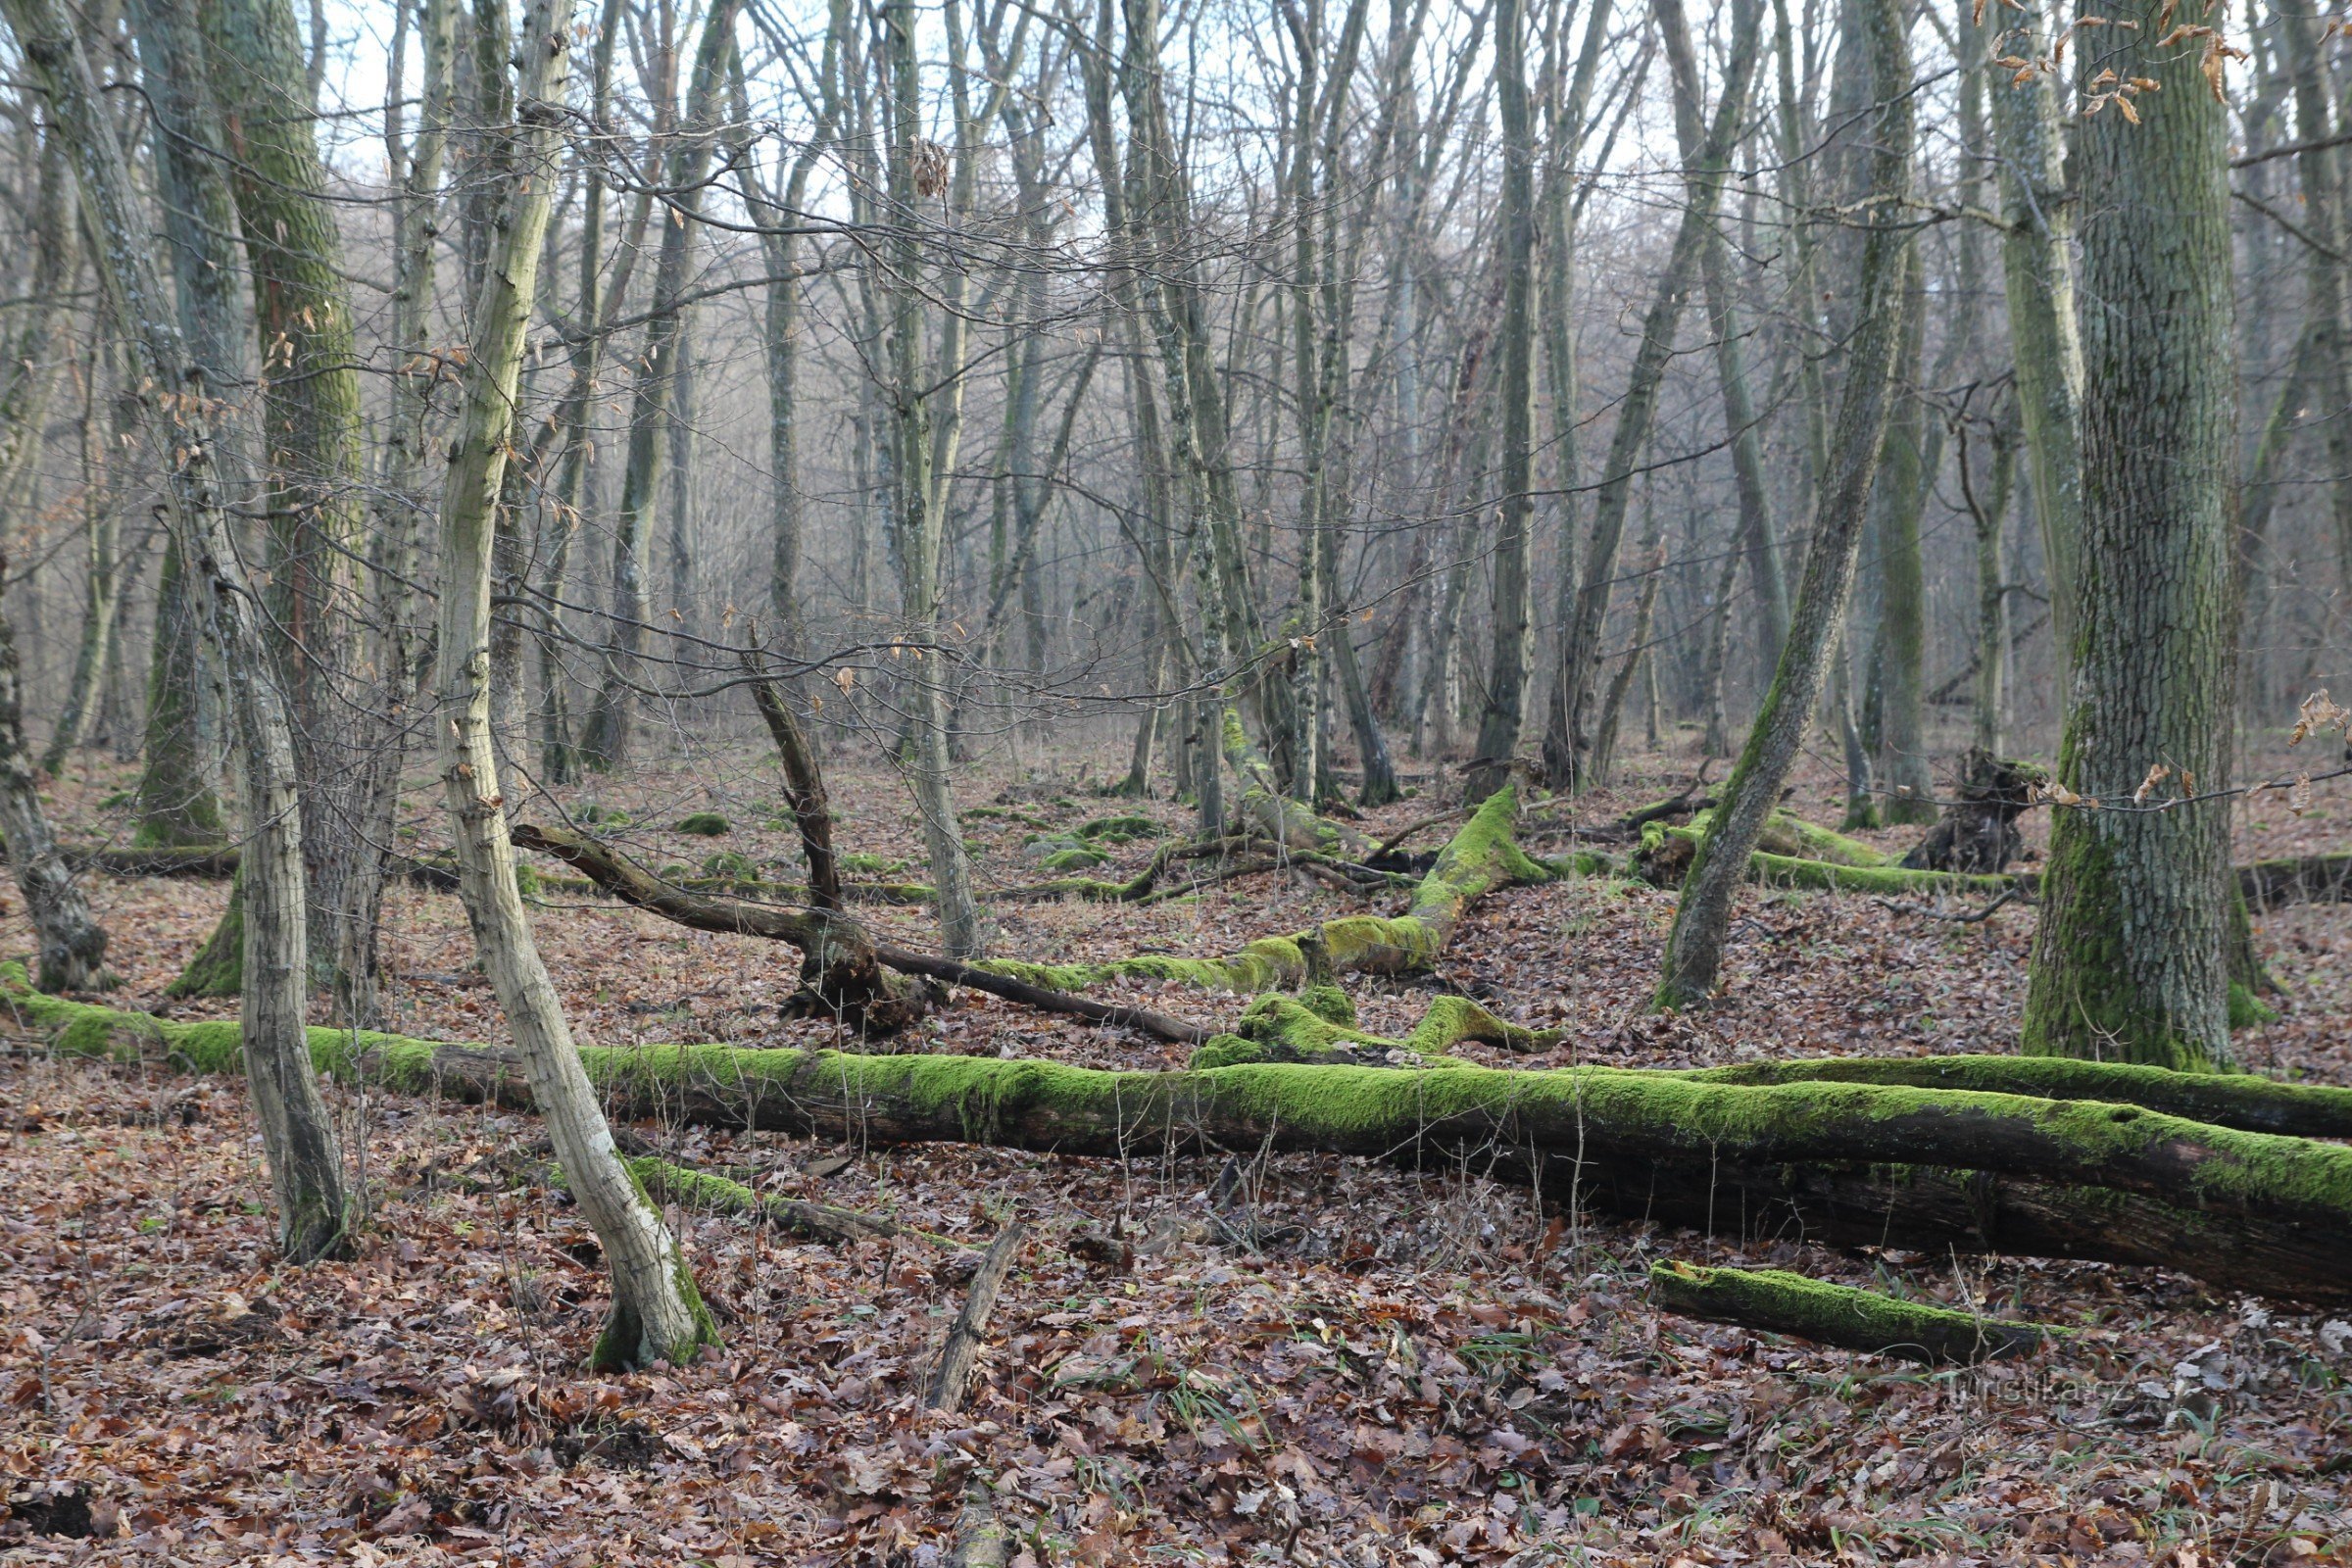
1480 858
841 963
1892 1165
2310 879
2224 1100
1839 1315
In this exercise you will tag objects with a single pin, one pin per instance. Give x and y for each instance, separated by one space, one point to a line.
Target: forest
1042 782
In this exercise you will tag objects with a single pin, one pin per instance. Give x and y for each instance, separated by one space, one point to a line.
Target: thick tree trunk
1703 917
656 1314
297 1134
2130 960
311 415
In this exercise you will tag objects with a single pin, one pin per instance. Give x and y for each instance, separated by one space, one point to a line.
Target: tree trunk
297 1134
656 1314
1702 185
1703 917
73 944
311 415
604 741
1507 611
2128 961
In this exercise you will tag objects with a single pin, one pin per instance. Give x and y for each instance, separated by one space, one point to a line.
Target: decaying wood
960 1353
1978 830
1839 1315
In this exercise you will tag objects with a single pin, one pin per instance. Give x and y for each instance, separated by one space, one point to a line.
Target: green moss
2246 1009
1121 829
1837 1314
1072 858
609 818
1329 1003
733 863
704 824
870 865
218 968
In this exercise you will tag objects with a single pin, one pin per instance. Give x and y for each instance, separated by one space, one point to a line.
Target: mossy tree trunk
310 447
73 944
1703 917
2130 960
657 1313
297 1134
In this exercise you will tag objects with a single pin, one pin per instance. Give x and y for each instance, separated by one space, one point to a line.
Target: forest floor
1405 1368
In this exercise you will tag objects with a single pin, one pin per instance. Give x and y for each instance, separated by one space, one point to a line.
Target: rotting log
1319 1027
1290 823
1840 1315
1841 1162
2310 879
1480 858
1665 854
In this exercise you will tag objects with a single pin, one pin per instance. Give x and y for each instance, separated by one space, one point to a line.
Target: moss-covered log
1481 857
2224 1100
1840 1315
1666 853
1898 1165
1290 823
1319 1027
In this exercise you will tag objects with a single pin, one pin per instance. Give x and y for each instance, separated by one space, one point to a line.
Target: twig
1409 829
1972 919
962 1350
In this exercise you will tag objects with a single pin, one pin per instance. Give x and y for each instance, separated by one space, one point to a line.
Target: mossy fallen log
1839 1315
1665 854
1319 1027
2224 1100
1479 859
1893 1165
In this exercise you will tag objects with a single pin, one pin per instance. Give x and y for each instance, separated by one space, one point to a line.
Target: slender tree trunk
102 598
73 944
297 1134
1703 917
1899 650
1507 611
176 804
2037 215
657 1313
2128 960
604 741
1581 649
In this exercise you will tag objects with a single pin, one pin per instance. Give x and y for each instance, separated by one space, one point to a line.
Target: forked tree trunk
657 1313
1694 947
298 1136
2130 960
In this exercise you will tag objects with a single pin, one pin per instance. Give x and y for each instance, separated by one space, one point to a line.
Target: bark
297 1134
1702 916
102 596
1989 514
804 790
2317 170
1839 1315
656 1314
2037 215
310 417
2130 960
1883 1165
1899 646
71 942
960 1355
1977 831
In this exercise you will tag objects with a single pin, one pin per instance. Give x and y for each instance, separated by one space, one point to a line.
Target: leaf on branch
2318 715
2157 774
